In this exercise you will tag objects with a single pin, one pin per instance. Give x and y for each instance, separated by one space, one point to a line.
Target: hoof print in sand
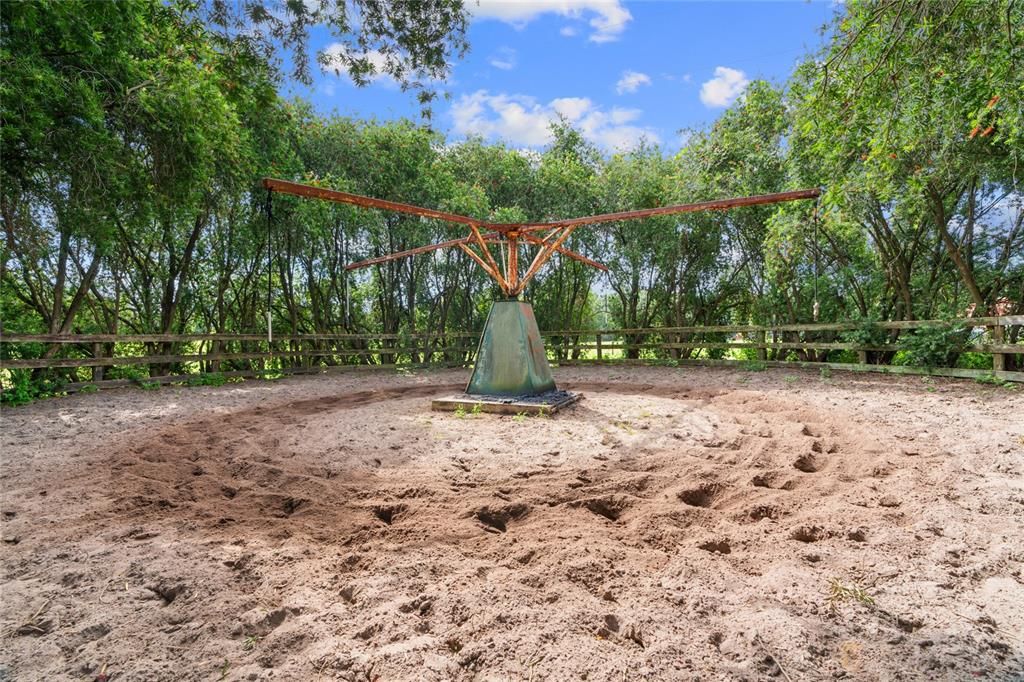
809 534
290 505
389 513
720 546
611 507
808 463
857 535
773 480
702 496
167 592
496 520
763 511
609 627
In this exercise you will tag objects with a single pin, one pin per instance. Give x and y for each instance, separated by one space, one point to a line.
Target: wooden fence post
762 338
998 359
599 352
97 352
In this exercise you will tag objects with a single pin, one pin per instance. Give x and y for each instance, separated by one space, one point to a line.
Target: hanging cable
817 308
348 296
270 268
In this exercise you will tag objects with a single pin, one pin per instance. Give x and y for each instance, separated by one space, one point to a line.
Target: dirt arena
677 524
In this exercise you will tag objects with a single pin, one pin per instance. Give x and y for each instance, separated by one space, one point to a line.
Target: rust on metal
533 239
496 269
483 264
313 192
513 259
713 205
410 252
509 236
490 237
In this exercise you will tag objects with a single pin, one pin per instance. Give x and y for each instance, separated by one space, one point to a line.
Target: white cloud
572 108
504 58
724 88
339 57
630 81
568 31
608 24
608 18
522 120
685 78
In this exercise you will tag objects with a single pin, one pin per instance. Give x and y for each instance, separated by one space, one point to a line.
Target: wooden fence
91 359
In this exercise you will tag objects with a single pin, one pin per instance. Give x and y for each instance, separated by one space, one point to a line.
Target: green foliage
933 345
132 372
207 379
414 43
754 366
21 387
974 361
133 133
991 379
867 333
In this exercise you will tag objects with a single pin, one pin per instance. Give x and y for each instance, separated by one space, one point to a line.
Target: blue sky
619 70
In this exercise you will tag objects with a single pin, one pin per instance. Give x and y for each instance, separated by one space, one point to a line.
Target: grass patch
754 366
207 379
838 594
990 379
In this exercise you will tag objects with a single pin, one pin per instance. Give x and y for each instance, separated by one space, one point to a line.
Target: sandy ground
677 524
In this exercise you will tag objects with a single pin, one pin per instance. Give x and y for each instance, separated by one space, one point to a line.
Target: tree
411 42
913 114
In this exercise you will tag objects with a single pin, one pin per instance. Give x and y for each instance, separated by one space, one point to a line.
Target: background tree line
134 135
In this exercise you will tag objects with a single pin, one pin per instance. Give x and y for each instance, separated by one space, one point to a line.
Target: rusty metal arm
493 272
405 254
715 205
533 239
299 189
542 257
548 244
312 192
486 253
490 236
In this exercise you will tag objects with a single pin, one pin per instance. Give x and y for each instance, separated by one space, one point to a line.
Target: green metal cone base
510 360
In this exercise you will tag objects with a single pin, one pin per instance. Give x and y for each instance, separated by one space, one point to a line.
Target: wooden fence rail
186 355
